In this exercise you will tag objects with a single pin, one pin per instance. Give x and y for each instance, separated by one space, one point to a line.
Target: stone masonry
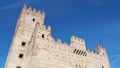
34 47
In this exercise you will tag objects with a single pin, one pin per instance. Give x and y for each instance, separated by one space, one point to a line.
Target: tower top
75 39
35 13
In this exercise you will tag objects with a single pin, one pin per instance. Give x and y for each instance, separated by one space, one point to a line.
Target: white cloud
115 59
13 5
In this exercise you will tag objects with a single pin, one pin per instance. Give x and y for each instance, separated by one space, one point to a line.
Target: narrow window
81 52
85 54
42 35
74 51
23 43
77 51
103 54
20 55
18 67
33 19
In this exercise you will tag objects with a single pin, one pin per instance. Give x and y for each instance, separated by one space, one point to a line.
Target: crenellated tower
101 50
20 51
78 43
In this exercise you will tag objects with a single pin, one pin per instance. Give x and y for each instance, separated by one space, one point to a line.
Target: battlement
49 29
92 51
75 39
35 13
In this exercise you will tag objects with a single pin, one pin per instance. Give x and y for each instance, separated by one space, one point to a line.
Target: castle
34 47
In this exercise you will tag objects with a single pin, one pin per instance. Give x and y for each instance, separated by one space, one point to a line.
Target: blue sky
97 21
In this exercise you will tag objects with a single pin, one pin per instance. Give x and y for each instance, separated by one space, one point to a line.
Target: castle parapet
78 43
49 29
75 39
35 13
101 50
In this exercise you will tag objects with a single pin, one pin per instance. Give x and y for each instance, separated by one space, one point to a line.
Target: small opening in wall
23 43
21 55
81 52
77 51
27 13
74 51
42 35
33 19
103 54
85 54
18 67
38 22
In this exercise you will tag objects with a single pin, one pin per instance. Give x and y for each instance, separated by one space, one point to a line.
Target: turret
78 43
101 50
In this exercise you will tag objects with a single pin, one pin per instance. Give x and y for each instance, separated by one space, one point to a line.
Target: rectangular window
20 55
18 67
23 43
42 35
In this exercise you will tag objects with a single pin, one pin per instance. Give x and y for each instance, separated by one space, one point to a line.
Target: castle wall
58 55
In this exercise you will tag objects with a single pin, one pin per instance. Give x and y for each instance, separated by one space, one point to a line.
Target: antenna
101 42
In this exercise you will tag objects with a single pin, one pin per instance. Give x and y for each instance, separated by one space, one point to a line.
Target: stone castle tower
34 47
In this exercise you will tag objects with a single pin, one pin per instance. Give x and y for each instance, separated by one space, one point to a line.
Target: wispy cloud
116 59
17 4
115 56
13 5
